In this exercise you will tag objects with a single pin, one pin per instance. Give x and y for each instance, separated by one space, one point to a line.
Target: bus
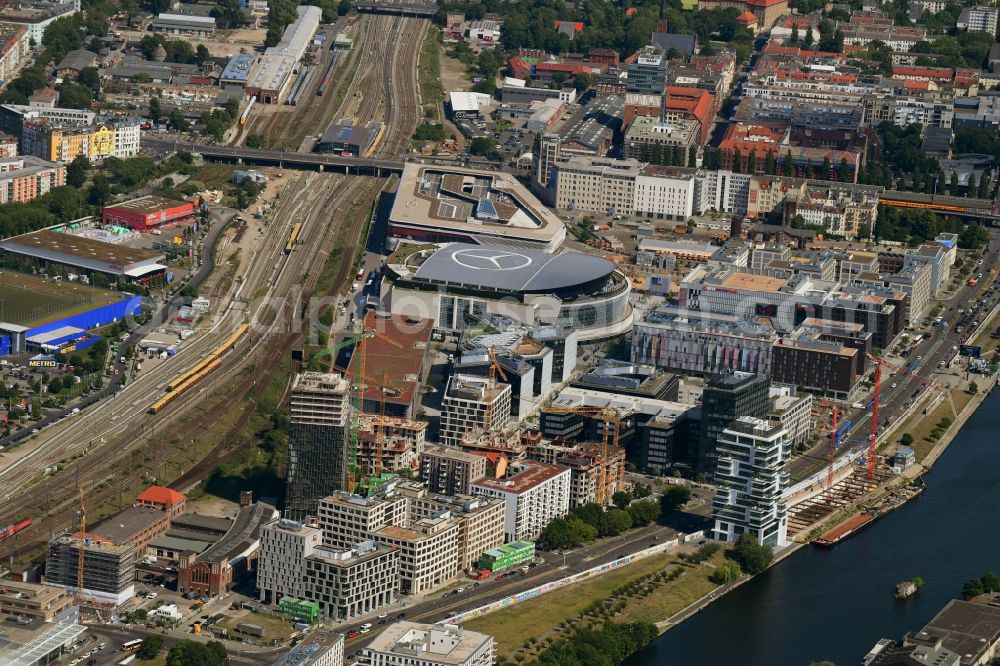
132 646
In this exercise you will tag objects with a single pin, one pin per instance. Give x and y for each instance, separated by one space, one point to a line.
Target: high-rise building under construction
108 568
318 440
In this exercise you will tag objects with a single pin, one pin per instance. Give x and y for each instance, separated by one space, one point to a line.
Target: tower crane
80 548
609 443
830 453
876 395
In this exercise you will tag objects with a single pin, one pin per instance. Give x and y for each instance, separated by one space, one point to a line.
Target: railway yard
350 85
145 431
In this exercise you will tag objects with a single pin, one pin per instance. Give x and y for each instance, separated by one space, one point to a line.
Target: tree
255 141
644 512
566 532
750 555
953 184
793 39
789 164
201 54
100 191
726 572
906 439
615 522
843 171
972 589
482 146
826 172
674 498
73 96
151 646
90 78
189 653
178 121
622 499
752 162
343 7
769 163
973 388
76 172
429 132
154 109
582 81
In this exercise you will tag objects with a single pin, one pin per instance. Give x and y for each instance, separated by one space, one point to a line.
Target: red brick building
162 498
148 213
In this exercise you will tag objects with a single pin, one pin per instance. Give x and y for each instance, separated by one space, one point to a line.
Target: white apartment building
281 566
665 197
914 279
978 18
597 184
940 259
533 494
14 50
472 406
751 481
843 211
793 414
412 644
127 135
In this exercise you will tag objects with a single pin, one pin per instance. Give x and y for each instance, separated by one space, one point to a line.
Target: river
835 604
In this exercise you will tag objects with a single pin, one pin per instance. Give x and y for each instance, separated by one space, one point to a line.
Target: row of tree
585 523
609 645
915 226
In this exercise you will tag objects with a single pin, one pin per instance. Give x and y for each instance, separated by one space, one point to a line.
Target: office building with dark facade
826 367
318 435
727 397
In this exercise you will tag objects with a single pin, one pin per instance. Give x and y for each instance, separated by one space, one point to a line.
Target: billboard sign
970 350
42 362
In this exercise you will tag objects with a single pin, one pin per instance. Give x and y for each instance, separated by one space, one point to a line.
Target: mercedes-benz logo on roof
490 260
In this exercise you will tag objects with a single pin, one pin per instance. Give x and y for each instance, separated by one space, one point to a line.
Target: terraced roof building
436 203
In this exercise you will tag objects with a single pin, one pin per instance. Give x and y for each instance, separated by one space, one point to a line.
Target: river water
835 604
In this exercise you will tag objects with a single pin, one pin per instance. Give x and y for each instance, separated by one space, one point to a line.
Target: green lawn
674 596
429 72
511 627
920 426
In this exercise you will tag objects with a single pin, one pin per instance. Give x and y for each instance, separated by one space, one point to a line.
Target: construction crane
494 369
876 397
80 548
332 351
609 443
358 399
830 453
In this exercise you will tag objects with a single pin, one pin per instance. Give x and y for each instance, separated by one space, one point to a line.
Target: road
898 390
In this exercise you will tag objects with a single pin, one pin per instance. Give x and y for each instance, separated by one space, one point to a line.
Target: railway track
104 455
115 444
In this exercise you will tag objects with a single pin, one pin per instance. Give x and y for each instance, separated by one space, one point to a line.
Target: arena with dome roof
456 283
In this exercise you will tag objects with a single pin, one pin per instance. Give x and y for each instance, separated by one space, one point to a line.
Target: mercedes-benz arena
453 283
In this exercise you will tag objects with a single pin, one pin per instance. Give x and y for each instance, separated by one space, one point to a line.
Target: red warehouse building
147 213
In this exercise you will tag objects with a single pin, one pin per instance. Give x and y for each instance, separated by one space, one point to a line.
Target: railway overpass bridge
979 209
280 158
398 8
